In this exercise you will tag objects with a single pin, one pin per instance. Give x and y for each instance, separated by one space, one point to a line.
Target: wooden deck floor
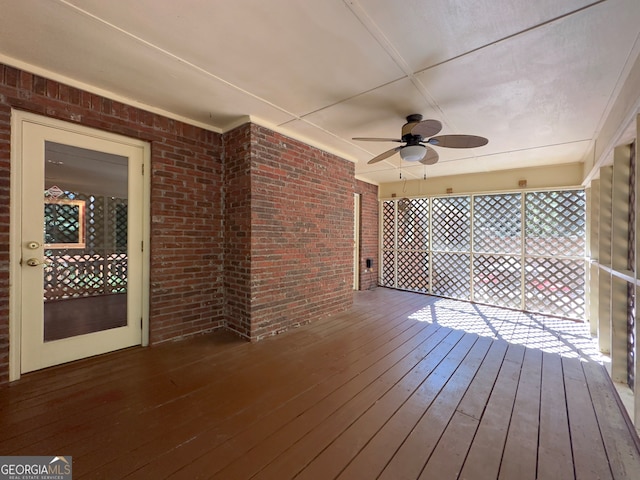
382 391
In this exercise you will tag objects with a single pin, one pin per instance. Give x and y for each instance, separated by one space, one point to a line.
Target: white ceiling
537 78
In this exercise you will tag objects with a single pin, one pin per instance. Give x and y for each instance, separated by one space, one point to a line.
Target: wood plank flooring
393 389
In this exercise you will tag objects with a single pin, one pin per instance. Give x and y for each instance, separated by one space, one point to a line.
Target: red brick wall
289 231
251 230
186 207
187 237
302 233
369 230
237 254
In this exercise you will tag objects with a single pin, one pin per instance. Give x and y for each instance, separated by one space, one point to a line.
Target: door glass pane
85 238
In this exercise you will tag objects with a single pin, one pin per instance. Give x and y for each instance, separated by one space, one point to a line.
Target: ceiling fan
418 135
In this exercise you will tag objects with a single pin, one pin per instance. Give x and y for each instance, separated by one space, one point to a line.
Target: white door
81 225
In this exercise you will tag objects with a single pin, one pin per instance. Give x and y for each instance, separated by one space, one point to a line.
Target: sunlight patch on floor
549 334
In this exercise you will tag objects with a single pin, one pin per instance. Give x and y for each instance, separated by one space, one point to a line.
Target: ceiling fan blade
384 155
458 141
375 139
431 158
426 128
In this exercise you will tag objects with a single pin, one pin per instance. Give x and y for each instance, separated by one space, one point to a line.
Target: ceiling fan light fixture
413 153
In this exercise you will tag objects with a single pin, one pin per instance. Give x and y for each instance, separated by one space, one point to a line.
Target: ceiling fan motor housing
411 122
412 139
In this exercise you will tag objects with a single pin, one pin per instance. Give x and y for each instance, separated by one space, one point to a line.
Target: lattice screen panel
388 263
388 273
555 223
497 280
451 224
117 273
95 222
555 286
413 224
119 227
451 275
101 267
413 271
388 224
631 334
497 223
554 240
62 225
73 275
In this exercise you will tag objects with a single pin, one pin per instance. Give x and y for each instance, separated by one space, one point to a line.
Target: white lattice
388 224
388 274
497 280
452 275
101 267
413 224
555 286
555 223
451 224
554 249
413 271
497 223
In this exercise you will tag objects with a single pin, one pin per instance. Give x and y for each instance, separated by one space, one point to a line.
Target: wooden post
619 263
604 259
593 216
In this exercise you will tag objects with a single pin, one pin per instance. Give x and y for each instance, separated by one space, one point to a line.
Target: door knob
33 245
34 262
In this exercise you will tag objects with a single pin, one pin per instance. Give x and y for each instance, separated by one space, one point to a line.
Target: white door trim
356 240
18 118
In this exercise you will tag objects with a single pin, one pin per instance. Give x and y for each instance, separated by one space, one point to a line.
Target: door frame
357 207
18 118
